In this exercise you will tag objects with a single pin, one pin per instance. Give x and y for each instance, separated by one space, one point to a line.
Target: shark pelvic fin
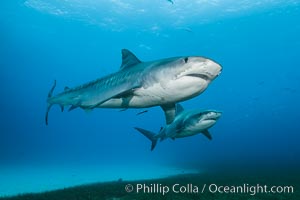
207 134
128 59
151 136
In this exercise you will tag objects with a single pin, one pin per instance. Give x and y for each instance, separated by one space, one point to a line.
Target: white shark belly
160 93
186 133
196 128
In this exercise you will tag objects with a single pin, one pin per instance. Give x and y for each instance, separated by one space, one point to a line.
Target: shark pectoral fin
170 112
207 134
179 109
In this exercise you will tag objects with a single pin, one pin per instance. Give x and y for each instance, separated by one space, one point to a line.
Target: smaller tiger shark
138 84
185 124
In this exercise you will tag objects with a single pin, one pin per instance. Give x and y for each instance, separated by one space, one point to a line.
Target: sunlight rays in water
120 15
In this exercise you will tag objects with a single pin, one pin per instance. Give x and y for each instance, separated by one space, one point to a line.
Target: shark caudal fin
151 136
49 105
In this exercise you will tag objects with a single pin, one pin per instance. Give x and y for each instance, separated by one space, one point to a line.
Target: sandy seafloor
115 190
16 180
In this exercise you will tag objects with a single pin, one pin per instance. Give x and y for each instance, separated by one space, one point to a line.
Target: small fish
187 29
142 112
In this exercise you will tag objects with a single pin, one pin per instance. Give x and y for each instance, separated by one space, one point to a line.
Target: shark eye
186 59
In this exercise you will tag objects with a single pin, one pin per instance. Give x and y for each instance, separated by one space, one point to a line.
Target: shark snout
218 115
212 115
213 69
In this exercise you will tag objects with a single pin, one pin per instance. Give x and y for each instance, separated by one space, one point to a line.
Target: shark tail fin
49 105
151 136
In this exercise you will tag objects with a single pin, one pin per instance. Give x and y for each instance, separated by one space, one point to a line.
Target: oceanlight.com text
250 189
157 188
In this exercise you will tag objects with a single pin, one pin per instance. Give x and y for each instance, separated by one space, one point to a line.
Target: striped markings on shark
138 84
186 124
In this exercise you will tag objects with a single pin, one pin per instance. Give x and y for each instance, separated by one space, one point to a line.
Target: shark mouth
211 118
215 118
202 76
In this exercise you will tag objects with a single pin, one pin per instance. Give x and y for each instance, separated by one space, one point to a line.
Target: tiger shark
141 85
185 124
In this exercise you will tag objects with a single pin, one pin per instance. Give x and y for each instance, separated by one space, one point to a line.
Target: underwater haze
76 41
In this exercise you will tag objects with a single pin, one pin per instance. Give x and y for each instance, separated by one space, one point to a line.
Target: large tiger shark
142 84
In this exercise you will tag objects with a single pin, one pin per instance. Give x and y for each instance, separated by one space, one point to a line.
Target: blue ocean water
76 41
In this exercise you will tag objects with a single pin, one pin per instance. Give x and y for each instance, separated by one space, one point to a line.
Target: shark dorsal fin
179 109
128 59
